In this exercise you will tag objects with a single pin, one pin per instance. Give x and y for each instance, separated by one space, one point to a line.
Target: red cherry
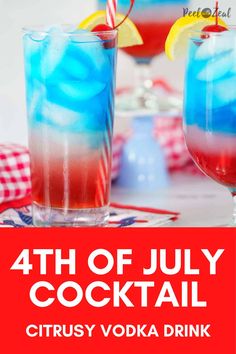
108 43
102 27
214 28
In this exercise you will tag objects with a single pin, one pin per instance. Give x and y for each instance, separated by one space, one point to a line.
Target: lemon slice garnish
128 34
177 39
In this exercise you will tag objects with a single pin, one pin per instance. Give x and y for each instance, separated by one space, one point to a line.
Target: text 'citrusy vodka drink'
70 79
210 105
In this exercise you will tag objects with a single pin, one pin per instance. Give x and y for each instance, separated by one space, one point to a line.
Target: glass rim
41 30
194 33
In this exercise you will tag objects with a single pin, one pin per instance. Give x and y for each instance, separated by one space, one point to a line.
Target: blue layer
210 104
70 86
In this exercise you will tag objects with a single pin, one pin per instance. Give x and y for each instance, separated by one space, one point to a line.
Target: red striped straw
217 13
111 13
103 178
104 167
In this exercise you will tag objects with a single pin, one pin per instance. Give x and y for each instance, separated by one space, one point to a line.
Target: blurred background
15 14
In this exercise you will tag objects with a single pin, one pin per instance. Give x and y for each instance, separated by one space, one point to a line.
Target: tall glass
70 81
210 106
154 19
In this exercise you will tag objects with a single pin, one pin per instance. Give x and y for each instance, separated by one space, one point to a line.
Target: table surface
200 201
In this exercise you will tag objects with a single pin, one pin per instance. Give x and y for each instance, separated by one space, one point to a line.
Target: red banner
120 291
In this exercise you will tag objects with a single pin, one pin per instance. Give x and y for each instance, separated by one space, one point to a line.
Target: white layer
46 140
59 115
210 142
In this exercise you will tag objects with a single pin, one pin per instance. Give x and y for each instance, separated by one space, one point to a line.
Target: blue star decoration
26 219
11 223
127 221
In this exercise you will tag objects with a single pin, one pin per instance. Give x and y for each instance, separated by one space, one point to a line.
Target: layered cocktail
210 105
70 80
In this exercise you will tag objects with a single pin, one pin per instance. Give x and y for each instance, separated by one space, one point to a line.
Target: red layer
154 35
219 166
72 184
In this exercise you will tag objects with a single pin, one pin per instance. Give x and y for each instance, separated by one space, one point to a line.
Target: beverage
70 80
210 106
210 109
153 44
153 19
216 156
210 94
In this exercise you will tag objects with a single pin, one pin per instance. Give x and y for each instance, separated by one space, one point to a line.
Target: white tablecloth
201 202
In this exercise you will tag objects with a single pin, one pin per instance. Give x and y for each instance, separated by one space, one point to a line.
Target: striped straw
111 13
104 168
217 13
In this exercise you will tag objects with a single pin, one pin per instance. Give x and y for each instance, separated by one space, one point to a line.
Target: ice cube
234 65
75 91
92 52
35 100
217 67
75 68
33 104
53 52
33 42
213 46
57 115
32 56
224 92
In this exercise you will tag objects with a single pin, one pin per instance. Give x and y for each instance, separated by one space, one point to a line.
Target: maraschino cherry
216 27
101 28
104 27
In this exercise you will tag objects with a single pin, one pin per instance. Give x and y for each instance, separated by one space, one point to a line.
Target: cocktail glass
210 106
70 81
154 19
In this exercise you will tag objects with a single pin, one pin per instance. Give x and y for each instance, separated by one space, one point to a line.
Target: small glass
210 106
70 82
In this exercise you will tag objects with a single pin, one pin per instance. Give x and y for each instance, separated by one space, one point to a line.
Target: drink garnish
177 39
111 20
101 21
128 34
102 27
216 28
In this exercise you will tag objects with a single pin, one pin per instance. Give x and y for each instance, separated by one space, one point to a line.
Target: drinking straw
217 13
111 13
105 158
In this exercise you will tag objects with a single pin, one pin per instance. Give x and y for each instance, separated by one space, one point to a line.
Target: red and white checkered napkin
14 172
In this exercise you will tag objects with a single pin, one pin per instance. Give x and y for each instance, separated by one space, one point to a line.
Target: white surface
14 14
200 201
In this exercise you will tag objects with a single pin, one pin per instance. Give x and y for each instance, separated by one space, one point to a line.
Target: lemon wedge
177 39
128 34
